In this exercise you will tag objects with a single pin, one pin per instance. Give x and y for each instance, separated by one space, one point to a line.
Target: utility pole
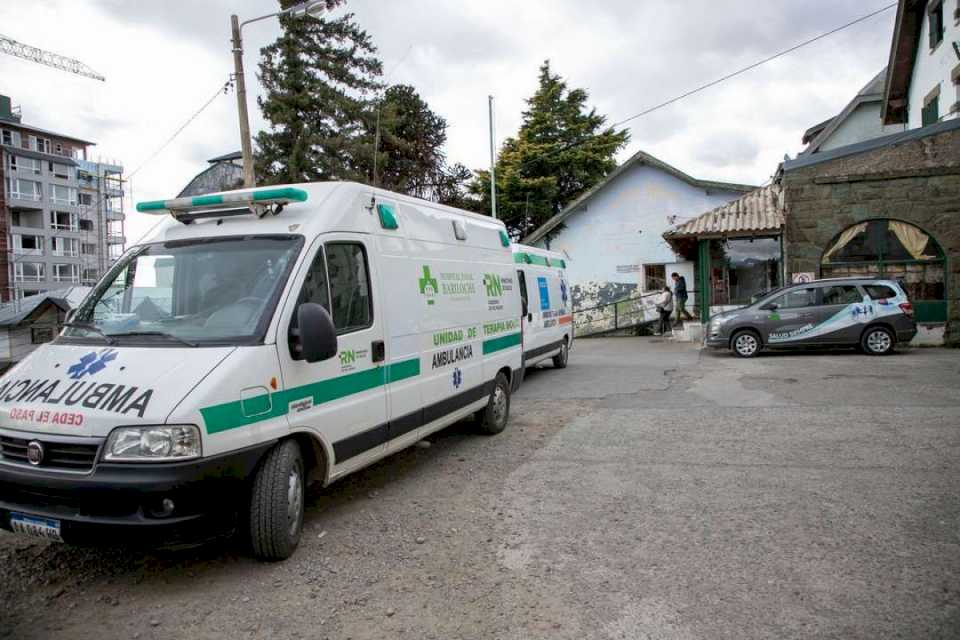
493 162
246 148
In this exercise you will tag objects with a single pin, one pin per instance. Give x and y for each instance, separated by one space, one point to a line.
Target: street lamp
309 8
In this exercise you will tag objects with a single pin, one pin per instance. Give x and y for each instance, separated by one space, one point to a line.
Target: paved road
649 491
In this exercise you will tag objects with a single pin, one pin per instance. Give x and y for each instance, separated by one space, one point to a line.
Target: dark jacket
680 290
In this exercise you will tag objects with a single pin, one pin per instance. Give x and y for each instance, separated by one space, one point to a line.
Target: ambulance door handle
378 351
529 317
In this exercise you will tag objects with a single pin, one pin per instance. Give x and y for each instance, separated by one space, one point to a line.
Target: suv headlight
159 443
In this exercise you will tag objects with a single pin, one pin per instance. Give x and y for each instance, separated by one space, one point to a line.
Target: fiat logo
34 453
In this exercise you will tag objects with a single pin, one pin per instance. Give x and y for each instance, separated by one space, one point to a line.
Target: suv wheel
877 341
745 344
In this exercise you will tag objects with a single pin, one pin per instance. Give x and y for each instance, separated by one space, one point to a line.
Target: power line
754 65
713 83
223 89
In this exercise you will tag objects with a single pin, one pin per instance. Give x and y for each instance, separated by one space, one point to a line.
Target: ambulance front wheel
493 419
276 503
560 360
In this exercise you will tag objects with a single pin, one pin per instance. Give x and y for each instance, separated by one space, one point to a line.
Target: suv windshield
215 290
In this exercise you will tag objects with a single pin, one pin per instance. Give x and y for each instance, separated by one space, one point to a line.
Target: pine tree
411 158
561 150
319 77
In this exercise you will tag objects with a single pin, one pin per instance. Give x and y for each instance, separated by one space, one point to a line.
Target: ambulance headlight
153 444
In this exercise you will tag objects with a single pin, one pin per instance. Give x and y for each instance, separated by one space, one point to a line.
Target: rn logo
494 287
457 378
92 363
348 357
428 285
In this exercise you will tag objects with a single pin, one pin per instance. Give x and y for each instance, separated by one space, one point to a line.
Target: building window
88 249
7 137
90 276
41 335
86 199
86 225
28 271
58 148
69 247
930 114
27 245
654 277
63 195
35 143
24 189
64 220
895 250
61 171
935 18
25 165
743 268
66 272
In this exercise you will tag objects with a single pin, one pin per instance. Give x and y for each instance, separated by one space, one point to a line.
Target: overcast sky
164 59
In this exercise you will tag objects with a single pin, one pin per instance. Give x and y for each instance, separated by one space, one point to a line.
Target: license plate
36 526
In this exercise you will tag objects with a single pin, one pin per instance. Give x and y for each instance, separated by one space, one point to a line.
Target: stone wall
917 181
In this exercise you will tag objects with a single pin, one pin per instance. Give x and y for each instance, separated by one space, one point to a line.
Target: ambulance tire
560 360
277 503
493 419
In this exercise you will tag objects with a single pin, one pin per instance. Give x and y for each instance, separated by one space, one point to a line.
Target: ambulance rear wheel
493 419
560 360
276 503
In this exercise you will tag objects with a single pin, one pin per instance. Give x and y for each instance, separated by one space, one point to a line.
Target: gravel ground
648 491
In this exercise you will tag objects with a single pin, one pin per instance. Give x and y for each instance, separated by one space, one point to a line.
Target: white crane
14 48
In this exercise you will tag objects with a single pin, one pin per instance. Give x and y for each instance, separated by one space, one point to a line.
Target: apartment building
61 213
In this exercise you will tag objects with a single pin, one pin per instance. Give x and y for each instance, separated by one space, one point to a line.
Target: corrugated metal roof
13 313
760 210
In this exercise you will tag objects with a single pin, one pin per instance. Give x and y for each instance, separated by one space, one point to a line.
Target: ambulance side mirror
317 335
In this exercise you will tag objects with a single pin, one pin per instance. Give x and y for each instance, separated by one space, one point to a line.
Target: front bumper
120 503
717 340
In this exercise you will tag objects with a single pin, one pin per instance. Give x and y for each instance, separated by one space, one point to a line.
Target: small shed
34 320
737 248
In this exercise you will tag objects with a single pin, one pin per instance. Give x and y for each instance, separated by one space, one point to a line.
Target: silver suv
870 313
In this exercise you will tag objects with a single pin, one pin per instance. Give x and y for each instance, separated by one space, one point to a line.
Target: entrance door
343 398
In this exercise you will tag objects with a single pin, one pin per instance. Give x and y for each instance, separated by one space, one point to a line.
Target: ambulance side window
524 301
315 288
351 302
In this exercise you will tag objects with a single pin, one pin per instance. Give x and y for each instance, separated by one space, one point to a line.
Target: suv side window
798 298
349 277
880 291
524 301
841 294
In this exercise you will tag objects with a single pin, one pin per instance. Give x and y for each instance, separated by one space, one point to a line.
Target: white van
546 306
254 341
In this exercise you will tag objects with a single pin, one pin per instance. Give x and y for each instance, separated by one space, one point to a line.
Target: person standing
664 303
680 295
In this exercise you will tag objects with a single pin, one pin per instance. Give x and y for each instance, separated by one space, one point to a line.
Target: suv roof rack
259 202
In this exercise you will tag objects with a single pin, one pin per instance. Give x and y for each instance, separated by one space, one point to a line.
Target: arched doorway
896 250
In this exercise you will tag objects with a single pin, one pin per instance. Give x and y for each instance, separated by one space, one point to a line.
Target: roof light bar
257 202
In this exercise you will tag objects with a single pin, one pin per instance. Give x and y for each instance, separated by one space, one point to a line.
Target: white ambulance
546 306
257 340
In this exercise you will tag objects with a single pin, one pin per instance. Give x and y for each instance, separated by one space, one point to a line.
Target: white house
923 74
612 235
858 121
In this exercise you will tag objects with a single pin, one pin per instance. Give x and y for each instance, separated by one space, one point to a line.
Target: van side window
880 291
315 285
350 299
524 301
841 294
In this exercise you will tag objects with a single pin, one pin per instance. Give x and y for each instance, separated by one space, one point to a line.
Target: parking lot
650 490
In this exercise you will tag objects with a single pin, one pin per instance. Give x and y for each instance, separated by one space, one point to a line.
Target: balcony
116 238
116 216
18 201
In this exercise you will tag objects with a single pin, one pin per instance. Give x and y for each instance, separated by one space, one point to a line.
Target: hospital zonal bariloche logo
428 285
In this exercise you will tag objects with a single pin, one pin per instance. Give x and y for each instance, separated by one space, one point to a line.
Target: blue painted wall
620 229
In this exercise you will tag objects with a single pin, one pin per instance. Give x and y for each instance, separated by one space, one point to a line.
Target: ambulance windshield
205 291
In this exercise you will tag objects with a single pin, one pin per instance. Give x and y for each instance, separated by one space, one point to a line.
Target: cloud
163 60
